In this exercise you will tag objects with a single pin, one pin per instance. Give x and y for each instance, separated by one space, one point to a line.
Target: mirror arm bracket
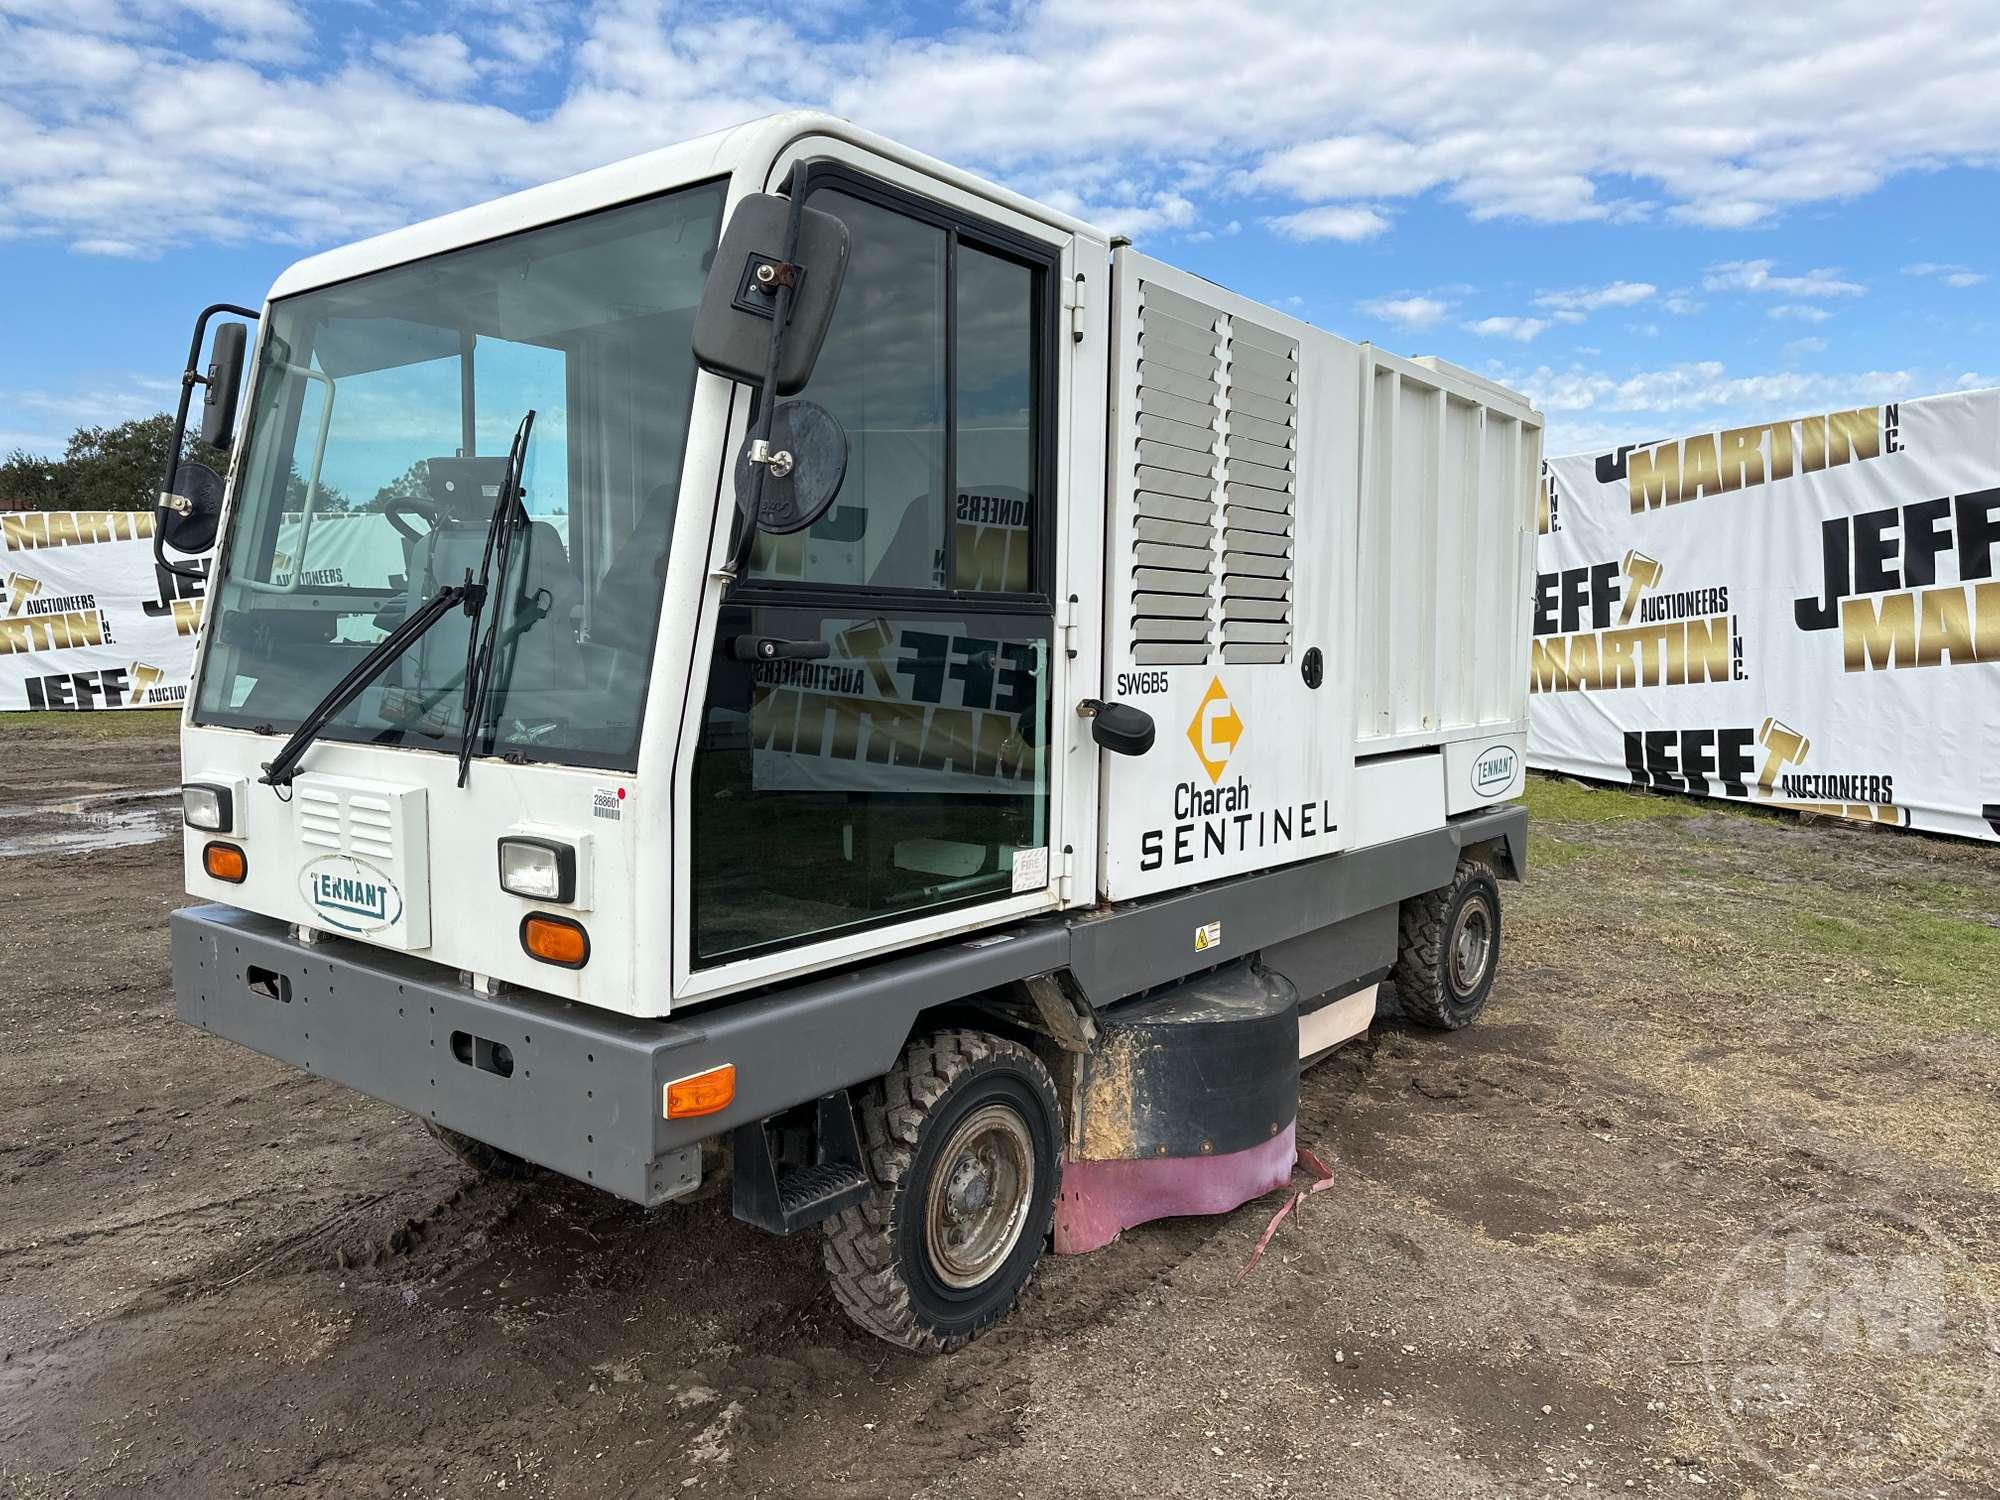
190 378
783 282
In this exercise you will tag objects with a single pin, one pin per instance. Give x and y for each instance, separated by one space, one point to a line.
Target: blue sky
1708 212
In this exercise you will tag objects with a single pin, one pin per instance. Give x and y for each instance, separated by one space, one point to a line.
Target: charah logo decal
1214 731
1224 819
351 895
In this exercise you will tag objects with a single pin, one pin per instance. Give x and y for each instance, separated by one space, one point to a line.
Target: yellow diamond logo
1215 729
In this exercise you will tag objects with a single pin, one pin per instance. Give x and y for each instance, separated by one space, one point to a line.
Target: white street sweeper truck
781 644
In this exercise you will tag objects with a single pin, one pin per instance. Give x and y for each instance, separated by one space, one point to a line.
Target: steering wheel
395 507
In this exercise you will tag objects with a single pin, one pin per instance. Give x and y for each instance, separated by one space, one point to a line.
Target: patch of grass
1947 963
134 723
1564 801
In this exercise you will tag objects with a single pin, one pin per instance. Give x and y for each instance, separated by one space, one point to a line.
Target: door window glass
881 371
901 772
994 424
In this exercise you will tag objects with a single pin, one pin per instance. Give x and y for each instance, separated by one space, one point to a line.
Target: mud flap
1186 1104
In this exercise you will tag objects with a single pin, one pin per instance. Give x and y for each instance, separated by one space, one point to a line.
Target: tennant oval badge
351 894
1493 770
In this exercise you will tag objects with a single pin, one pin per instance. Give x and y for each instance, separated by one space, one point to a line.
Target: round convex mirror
192 530
809 447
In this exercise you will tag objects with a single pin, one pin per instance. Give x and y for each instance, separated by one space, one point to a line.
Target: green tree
103 468
120 468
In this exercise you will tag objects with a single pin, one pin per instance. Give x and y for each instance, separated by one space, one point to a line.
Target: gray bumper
586 1089
581 1095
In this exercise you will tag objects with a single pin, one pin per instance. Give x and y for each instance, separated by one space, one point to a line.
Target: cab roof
745 152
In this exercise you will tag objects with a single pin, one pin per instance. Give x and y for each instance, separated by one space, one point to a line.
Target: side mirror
187 518
802 474
225 381
1118 727
735 323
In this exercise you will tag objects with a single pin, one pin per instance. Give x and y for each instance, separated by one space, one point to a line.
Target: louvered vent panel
1260 449
1174 494
354 823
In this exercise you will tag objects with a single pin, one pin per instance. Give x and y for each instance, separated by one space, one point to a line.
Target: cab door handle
776 648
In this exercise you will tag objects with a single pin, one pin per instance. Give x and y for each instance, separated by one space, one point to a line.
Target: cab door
873 762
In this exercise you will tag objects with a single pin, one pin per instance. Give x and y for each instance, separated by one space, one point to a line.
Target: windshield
377 436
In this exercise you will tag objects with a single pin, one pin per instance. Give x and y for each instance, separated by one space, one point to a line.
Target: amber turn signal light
225 862
555 940
702 1093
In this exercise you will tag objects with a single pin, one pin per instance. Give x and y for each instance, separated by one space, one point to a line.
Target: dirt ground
1709 1202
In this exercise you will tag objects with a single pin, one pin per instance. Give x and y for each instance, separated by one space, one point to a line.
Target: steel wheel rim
980 1190
1471 946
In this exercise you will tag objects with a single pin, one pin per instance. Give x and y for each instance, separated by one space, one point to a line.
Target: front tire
963 1138
1450 949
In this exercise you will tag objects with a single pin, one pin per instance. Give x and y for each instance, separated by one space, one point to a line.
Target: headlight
205 807
538 869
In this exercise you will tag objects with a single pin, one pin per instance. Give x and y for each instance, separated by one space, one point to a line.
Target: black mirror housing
733 326
225 383
1119 727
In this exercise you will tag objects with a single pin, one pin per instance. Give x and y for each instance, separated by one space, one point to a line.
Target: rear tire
1450 949
487 1161
964 1141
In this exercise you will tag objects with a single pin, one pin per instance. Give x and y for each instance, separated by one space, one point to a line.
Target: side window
882 373
994 424
932 367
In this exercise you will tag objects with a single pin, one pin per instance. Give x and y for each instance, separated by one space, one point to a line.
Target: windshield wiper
283 767
499 545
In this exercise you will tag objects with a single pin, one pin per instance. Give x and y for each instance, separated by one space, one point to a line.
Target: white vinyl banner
86 619
1801 614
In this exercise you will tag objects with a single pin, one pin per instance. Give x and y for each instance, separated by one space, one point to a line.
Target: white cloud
1521 330
1405 312
178 121
1586 299
440 62
1800 312
1955 276
1591 409
1353 166
1755 276
1348 222
1805 346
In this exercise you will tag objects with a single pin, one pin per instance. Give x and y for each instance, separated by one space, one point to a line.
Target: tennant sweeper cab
783 646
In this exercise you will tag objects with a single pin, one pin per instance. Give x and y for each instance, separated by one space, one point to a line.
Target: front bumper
586 1089
570 1088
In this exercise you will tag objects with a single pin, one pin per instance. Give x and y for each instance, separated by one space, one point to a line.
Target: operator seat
538 664
624 608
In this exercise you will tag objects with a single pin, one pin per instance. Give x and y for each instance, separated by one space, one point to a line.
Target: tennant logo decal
351 895
1214 731
1494 771
1612 625
1883 592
